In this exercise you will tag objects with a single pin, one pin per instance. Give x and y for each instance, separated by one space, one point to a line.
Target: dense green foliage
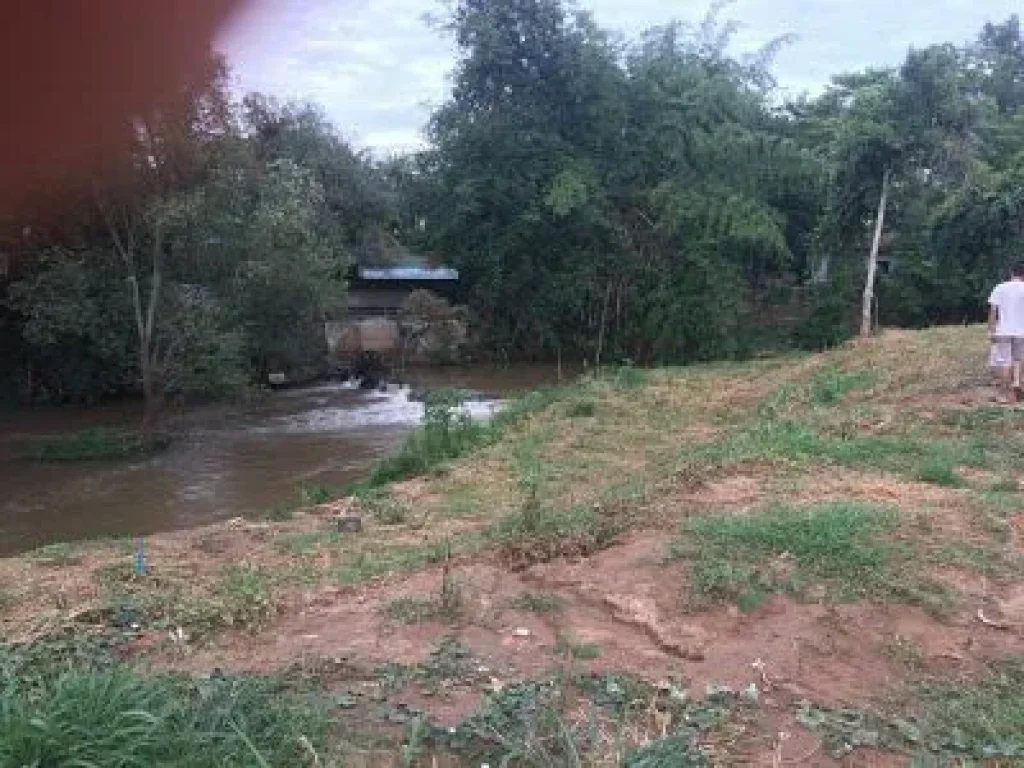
652 199
204 256
65 702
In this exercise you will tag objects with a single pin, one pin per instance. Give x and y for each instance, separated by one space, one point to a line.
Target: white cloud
377 68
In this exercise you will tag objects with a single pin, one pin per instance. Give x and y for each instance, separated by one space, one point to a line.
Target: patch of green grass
519 408
830 386
314 495
57 555
411 610
383 507
447 605
449 663
93 444
371 563
1005 485
1001 503
939 472
987 560
116 573
630 379
246 592
980 419
797 442
306 496
535 523
981 718
447 433
243 598
744 558
539 602
670 752
568 646
307 542
580 407
969 721
903 650
31 666
583 720
113 717
278 513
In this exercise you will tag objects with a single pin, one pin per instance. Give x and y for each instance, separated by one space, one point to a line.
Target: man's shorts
1006 351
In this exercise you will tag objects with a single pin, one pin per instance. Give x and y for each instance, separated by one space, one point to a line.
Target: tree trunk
604 320
145 318
866 324
152 386
821 272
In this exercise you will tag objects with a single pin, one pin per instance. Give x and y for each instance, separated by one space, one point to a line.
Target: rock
349 523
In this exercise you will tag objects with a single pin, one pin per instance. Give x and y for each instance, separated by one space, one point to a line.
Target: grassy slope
877 471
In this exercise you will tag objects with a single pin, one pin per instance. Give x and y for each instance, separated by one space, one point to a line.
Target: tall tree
146 202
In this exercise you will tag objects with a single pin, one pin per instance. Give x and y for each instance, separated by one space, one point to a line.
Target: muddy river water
224 462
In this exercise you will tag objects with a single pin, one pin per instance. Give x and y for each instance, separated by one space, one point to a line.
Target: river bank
674 564
224 462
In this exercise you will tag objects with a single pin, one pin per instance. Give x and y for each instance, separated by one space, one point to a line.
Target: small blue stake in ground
140 559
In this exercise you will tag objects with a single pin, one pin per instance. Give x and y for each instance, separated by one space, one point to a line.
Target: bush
94 444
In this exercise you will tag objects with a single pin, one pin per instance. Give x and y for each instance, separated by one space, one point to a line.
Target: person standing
1006 331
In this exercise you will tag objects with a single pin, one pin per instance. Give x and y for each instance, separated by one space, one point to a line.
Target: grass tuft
447 433
830 386
242 599
581 407
939 472
58 555
307 542
383 507
630 379
745 558
118 718
539 602
568 646
314 495
982 717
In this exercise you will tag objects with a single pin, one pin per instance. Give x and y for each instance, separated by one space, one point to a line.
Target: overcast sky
377 68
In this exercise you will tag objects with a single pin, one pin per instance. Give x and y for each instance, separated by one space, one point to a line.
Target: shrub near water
447 433
94 444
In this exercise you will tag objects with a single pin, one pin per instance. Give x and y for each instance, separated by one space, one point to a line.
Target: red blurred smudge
71 70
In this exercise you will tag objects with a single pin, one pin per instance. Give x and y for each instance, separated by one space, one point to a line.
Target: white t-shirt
1008 298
